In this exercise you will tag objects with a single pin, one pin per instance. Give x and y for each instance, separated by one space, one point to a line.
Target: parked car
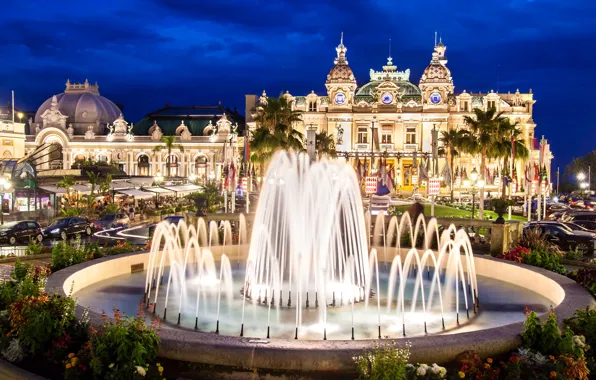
23 231
64 227
587 224
563 237
174 219
111 221
576 227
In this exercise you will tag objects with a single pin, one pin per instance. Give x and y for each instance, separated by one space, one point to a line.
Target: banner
434 186
371 185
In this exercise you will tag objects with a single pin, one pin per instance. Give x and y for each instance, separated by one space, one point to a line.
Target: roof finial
341 40
390 48
435 38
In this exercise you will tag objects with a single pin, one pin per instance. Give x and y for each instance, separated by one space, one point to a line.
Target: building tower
436 82
341 83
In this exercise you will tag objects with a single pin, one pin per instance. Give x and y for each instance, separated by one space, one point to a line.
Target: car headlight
55 231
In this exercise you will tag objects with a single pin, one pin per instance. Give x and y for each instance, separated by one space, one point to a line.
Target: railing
361 146
410 147
386 147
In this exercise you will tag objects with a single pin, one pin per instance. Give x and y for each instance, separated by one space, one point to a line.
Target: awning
120 185
143 181
184 189
53 189
159 190
138 194
83 189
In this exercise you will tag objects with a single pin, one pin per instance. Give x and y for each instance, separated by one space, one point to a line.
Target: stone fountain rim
332 355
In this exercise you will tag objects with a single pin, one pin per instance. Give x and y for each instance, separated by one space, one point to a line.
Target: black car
587 224
173 219
24 231
68 226
566 239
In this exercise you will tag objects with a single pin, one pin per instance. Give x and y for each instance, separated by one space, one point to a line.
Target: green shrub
65 254
25 280
547 259
573 254
33 249
122 345
583 323
383 362
37 321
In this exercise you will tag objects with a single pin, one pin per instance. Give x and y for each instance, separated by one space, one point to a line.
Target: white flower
425 366
540 359
409 365
421 371
141 370
436 369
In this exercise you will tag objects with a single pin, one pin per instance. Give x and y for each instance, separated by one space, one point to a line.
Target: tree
453 141
483 128
169 144
277 111
506 134
275 130
94 181
212 194
583 164
66 183
325 144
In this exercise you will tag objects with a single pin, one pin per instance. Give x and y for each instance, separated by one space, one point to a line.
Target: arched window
7 154
102 158
312 106
201 168
55 157
172 165
143 164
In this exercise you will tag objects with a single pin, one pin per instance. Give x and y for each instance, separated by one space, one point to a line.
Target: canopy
138 194
159 190
53 189
184 189
83 189
144 181
120 185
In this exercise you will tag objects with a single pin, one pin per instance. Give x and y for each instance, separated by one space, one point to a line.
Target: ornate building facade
87 126
390 116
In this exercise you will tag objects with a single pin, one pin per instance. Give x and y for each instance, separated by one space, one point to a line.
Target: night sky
146 52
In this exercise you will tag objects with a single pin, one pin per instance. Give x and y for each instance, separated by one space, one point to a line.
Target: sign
434 186
371 185
244 183
414 180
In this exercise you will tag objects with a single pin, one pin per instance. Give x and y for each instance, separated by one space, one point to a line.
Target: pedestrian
131 211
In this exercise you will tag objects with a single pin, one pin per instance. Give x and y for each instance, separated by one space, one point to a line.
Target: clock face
387 98
340 98
435 98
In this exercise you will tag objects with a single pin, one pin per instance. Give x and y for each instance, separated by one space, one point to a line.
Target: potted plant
499 205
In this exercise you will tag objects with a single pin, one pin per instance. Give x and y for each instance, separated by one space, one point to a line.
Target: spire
435 38
341 52
390 48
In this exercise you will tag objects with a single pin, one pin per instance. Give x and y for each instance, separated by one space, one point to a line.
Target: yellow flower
551 357
68 366
160 369
74 361
552 374
489 360
486 365
157 364
461 374
71 355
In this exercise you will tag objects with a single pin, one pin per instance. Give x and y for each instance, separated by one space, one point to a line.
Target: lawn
451 212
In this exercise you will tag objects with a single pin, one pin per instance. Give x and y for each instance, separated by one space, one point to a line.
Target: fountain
313 266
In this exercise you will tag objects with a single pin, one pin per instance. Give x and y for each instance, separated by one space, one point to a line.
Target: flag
415 163
232 173
358 169
446 174
389 178
382 171
246 149
423 174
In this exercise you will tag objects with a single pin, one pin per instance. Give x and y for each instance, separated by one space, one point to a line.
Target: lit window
362 135
386 135
312 106
411 135
464 106
492 104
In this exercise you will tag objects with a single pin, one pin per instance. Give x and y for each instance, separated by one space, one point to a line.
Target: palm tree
275 130
508 133
453 141
325 145
169 144
105 185
275 112
483 128
66 183
94 180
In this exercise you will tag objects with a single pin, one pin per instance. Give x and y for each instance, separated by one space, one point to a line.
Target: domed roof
405 88
83 104
340 73
436 72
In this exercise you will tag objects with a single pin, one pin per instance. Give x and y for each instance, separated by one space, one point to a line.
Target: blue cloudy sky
146 52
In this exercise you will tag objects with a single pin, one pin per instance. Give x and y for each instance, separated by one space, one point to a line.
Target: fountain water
312 241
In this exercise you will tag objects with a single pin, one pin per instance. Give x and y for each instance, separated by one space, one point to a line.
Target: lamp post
157 179
476 183
4 185
372 144
581 177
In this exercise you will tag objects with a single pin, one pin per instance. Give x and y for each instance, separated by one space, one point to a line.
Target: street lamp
477 184
581 176
20 115
4 186
192 178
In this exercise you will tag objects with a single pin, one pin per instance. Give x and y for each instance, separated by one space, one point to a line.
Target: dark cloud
146 52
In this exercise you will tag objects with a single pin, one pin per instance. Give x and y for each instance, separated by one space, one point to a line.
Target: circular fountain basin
505 289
